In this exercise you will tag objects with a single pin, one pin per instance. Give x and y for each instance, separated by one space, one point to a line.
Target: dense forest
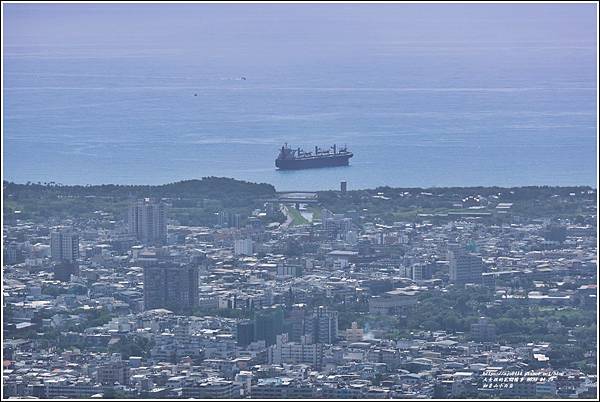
386 204
207 187
195 202
192 202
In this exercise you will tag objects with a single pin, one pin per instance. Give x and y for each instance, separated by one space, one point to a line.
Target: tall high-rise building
421 272
242 247
296 322
268 323
64 251
236 221
170 286
64 245
147 221
483 330
245 332
464 267
12 253
322 325
223 218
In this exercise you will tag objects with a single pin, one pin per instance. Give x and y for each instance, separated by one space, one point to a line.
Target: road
289 218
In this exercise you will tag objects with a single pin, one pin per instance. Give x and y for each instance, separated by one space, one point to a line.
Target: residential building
483 330
465 267
170 286
322 325
242 247
64 245
147 221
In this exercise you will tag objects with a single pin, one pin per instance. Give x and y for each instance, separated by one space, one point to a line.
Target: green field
297 218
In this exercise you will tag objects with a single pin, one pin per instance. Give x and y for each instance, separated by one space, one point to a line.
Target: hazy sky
307 29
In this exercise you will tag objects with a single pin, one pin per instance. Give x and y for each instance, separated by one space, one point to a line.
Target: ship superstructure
290 159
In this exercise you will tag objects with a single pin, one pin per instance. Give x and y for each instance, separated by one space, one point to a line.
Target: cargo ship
292 159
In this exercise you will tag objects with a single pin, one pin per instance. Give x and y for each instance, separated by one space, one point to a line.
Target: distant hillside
396 204
208 187
194 201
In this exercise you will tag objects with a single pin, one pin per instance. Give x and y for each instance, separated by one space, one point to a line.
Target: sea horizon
56 184
417 103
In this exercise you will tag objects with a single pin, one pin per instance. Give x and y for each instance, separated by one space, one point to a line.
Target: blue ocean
415 114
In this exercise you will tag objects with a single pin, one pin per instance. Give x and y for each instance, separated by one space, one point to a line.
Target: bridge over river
296 197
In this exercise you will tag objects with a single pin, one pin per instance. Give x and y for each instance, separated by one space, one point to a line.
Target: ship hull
310 163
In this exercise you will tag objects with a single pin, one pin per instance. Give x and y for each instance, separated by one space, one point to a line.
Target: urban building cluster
138 306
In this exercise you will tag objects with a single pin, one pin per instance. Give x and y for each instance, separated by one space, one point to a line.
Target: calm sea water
413 116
